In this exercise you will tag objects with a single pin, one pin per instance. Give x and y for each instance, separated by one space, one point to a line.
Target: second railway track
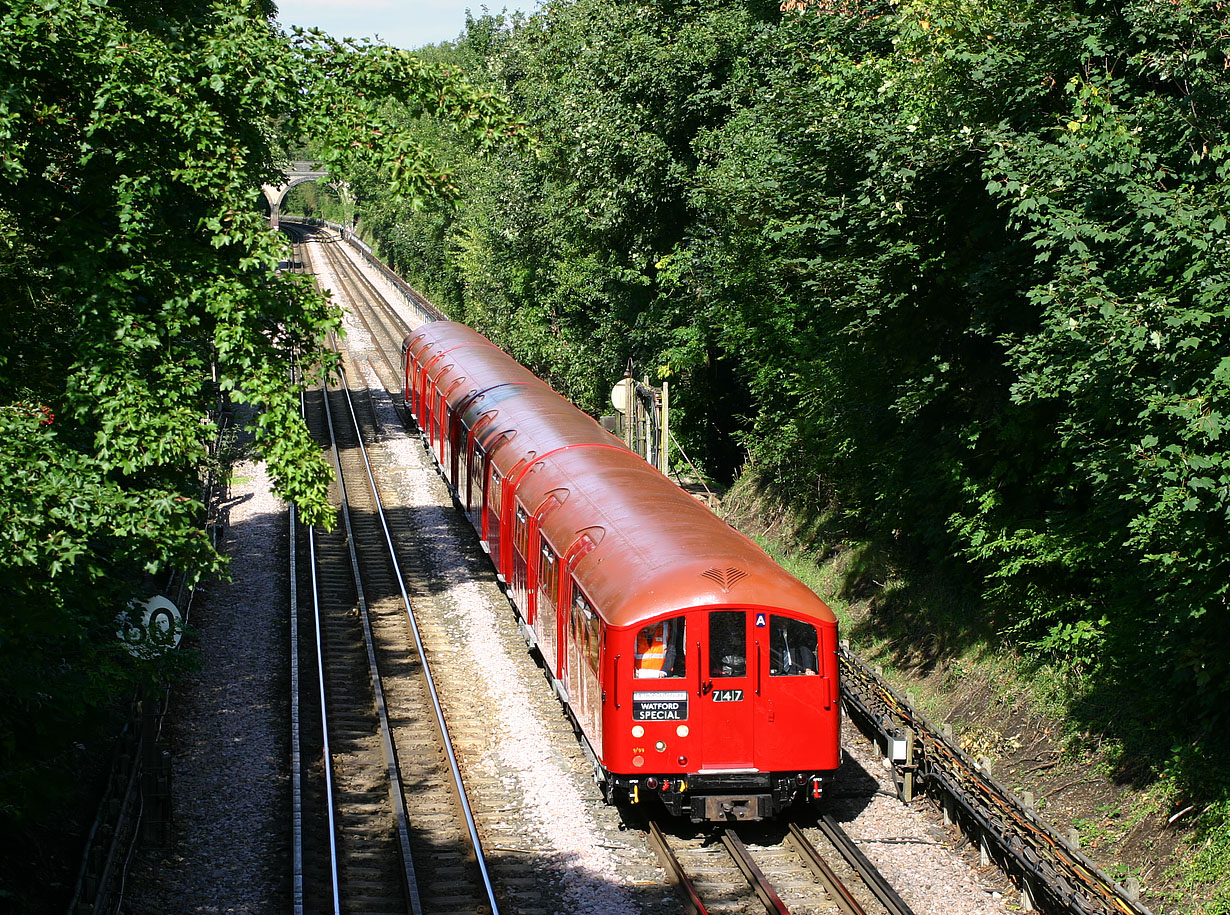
402 839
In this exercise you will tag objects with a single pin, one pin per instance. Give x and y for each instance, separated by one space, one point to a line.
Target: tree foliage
959 267
135 272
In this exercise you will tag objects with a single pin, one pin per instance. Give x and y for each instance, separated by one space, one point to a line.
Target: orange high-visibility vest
651 648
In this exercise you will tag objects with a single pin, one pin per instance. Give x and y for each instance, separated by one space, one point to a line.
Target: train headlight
682 730
660 746
638 731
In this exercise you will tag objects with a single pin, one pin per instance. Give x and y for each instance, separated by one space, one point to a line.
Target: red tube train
695 668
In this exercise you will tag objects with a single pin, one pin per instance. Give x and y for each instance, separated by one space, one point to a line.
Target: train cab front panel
723 712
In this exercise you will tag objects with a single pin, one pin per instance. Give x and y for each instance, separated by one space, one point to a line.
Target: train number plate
671 706
728 695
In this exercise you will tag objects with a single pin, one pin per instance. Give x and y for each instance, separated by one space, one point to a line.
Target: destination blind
660 706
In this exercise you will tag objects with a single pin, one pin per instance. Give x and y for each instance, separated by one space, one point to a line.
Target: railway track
793 875
383 323
782 872
386 824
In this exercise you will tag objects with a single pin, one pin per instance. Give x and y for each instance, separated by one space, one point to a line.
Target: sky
401 23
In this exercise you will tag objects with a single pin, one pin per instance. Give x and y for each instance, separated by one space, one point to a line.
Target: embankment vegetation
952 275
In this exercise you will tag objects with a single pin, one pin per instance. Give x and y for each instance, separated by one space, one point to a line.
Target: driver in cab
656 650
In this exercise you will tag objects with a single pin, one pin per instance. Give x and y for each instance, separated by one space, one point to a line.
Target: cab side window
661 649
792 648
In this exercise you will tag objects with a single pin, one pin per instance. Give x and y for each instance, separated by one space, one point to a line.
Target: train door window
585 629
792 648
475 473
728 643
578 622
521 531
494 500
660 649
592 642
548 574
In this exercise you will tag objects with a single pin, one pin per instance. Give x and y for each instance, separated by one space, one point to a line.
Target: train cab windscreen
728 643
661 649
792 648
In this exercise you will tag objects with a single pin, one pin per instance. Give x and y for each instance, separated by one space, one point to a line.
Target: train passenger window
661 649
494 501
792 648
727 643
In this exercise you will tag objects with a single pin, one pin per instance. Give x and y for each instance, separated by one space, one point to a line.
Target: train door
546 620
492 497
574 635
465 445
582 667
522 523
474 478
726 688
447 421
789 694
420 398
440 425
425 418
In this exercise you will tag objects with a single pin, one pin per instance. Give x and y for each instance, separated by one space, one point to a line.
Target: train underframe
718 797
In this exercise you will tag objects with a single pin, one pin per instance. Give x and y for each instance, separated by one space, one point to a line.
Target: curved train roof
655 548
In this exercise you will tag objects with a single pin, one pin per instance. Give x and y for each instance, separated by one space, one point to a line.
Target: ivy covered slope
956 270
133 141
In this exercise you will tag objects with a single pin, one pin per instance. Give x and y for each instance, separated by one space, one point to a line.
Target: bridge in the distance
298 172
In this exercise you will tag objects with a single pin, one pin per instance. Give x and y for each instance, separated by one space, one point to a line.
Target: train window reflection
660 649
727 643
792 647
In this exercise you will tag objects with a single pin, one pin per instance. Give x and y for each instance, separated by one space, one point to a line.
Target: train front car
701 673
697 670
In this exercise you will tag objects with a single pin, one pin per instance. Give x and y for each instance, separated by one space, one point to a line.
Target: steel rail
437 707
396 795
326 752
755 876
828 878
675 873
296 757
296 754
866 870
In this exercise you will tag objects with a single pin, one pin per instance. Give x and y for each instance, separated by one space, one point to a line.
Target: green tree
135 270
958 267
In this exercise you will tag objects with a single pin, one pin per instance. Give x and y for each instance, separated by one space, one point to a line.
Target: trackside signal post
642 418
